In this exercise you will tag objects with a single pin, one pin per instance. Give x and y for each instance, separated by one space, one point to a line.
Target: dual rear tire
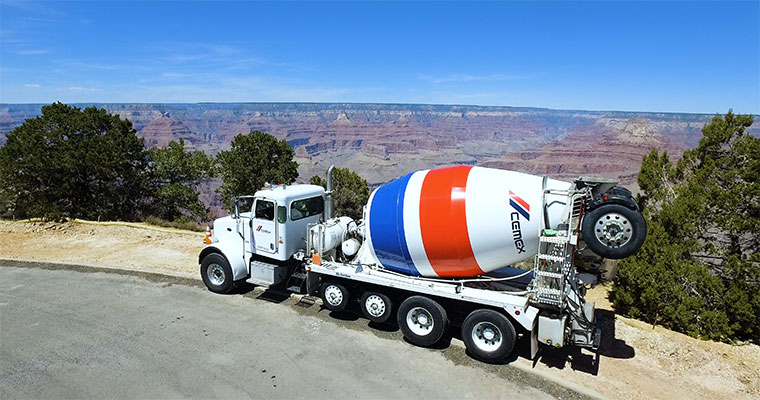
422 320
488 335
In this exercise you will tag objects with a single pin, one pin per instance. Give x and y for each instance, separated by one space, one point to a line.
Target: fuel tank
460 221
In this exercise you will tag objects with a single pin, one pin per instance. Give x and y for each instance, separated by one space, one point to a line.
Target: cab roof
286 193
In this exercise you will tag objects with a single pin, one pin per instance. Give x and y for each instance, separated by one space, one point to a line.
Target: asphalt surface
89 334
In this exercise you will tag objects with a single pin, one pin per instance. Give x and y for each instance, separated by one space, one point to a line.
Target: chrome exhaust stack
328 195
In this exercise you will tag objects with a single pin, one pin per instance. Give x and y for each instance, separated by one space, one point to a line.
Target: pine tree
175 174
699 269
253 160
350 192
74 163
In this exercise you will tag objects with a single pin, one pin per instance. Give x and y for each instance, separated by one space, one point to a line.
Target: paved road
69 334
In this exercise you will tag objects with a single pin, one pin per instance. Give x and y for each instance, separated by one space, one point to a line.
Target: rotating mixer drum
460 221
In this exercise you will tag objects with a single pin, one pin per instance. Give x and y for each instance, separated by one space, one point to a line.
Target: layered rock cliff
384 141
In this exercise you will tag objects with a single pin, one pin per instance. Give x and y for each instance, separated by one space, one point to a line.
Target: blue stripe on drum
386 224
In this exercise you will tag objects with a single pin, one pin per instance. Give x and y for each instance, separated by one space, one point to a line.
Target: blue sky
633 56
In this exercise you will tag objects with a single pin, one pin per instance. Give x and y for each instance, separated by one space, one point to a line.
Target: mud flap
597 336
534 340
312 283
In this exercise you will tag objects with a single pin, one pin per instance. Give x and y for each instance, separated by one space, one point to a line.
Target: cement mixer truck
435 249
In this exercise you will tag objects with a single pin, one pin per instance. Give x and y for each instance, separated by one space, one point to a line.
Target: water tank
459 221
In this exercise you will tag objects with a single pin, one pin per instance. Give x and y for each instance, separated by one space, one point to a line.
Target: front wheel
216 273
488 335
614 231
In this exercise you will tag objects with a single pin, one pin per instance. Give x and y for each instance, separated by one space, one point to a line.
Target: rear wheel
216 273
376 306
488 335
334 296
422 321
614 231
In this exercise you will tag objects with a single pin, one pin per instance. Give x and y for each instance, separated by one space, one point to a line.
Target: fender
233 254
616 195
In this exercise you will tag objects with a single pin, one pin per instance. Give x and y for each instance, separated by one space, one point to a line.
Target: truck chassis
551 308
546 303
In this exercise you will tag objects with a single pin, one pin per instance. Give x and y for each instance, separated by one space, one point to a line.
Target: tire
334 295
614 231
422 321
488 335
216 273
376 307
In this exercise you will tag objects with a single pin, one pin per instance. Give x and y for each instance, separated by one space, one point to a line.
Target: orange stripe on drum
443 222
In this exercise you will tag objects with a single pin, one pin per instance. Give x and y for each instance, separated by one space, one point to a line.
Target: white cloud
86 66
32 85
32 52
471 78
174 75
35 7
81 89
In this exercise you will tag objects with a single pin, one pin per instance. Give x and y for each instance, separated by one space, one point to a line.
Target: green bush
74 163
175 175
698 271
253 160
350 192
7 206
182 222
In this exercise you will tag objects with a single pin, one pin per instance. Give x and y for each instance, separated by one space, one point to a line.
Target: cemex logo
522 208
258 229
520 205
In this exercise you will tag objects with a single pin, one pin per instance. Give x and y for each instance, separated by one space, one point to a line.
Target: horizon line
377 103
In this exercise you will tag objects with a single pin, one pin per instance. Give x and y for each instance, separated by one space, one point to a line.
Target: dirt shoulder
132 246
636 361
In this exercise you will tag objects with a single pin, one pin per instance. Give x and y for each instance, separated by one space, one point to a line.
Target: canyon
384 141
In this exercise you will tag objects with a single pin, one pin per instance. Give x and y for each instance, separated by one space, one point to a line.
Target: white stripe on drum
412 224
488 216
368 229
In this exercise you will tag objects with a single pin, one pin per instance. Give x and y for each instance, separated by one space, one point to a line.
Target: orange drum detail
443 222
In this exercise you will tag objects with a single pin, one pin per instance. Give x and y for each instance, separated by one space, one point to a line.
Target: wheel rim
419 321
613 230
216 275
333 295
486 336
375 305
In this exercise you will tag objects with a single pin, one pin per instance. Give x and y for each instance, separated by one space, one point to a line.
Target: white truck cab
279 217
258 243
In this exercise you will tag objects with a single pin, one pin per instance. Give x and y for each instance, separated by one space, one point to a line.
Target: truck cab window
306 207
244 204
282 214
264 210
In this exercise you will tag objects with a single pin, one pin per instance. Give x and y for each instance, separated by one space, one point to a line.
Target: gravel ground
636 361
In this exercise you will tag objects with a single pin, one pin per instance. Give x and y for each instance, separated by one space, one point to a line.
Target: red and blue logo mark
258 229
519 205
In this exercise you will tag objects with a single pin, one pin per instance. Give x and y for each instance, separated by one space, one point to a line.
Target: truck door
264 227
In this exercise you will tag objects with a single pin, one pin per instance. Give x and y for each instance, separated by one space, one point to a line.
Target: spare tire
614 231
